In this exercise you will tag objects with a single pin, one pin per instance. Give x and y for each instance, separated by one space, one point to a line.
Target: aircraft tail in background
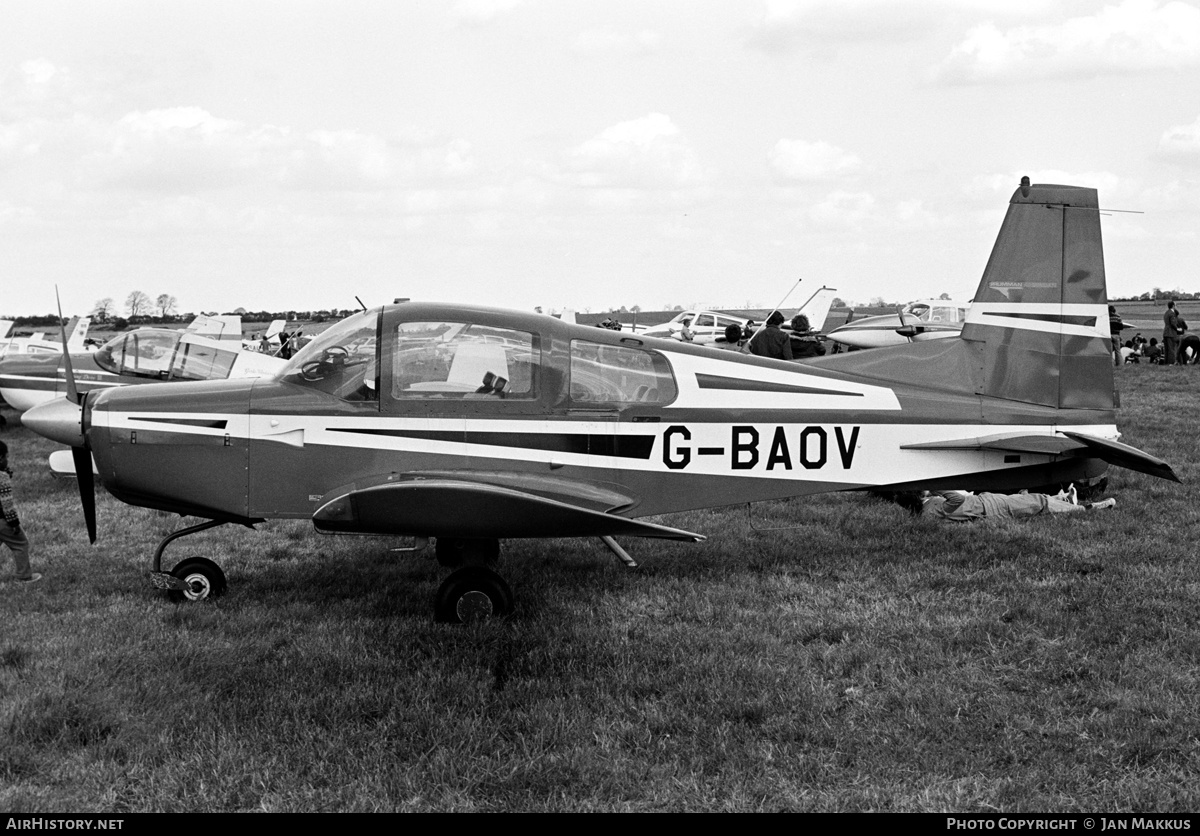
817 307
77 330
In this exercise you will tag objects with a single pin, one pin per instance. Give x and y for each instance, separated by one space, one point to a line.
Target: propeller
906 330
81 455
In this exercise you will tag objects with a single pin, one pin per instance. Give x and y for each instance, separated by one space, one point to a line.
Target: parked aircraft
272 335
925 319
708 327
36 343
473 425
206 350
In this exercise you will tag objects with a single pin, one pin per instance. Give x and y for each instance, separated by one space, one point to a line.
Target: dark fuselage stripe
619 446
209 423
1084 321
712 381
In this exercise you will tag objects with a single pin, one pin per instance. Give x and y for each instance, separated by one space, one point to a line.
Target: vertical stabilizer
77 330
817 307
1040 316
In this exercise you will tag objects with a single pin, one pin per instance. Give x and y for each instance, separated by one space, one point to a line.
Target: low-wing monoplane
209 349
925 319
472 425
704 327
13 346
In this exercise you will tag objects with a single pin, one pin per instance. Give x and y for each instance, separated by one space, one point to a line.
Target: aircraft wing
1071 443
465 508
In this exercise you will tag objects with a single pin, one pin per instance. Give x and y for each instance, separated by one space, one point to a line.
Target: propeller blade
87 488
72 391
905 330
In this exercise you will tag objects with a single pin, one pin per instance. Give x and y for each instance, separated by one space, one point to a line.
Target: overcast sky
292 155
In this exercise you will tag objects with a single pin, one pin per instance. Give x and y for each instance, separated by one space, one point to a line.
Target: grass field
859 660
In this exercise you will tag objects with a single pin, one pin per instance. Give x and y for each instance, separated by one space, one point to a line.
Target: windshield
144 353
341 360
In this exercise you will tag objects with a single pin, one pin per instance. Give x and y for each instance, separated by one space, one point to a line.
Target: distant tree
166 304
636 309
944 296
838 302
103 309
120 323
137 303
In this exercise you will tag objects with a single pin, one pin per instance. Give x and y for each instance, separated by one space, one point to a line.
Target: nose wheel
472 594
200 579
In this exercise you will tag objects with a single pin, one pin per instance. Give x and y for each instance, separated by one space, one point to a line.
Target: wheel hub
475 606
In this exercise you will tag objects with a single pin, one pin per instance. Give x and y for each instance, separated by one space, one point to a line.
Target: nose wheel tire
473 594
203 578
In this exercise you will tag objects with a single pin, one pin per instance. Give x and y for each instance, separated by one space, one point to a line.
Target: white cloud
480 12
1004 184
843 208
600 41
1182 142
788 24
1134 36
643 153
796 159
186 149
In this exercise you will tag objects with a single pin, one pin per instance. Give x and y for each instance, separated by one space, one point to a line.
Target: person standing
1115 326
11 534
770 341
1173 328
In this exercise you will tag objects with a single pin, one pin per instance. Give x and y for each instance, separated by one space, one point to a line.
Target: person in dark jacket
770 341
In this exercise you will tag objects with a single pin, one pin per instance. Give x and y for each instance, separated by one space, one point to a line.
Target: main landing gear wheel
204 580
472 594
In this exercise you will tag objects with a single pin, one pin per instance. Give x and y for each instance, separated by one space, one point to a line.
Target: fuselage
635 426
147 355
931 319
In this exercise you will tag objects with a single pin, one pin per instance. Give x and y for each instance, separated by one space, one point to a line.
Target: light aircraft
272 335
36 343
209 349
925 319
472 425
708 327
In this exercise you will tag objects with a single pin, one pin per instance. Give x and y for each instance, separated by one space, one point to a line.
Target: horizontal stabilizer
1122 455
1071 443
459 508
1046 445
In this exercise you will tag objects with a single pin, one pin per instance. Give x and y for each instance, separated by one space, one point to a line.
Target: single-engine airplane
473 425
708 327
925 319
12 346
208 349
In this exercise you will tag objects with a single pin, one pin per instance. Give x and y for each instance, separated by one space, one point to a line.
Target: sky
292 155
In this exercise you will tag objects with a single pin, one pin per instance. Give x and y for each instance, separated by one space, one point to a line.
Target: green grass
860 660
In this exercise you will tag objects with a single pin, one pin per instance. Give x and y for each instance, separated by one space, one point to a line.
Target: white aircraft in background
924 319
271 335
708 327
208 349
11 346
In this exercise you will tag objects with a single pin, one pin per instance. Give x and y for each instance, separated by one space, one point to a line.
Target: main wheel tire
204 580
472 594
